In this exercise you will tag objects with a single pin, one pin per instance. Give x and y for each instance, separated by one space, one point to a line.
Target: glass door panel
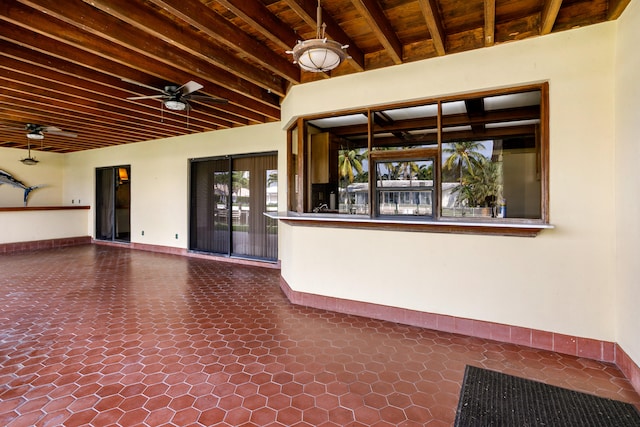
209 230
228 200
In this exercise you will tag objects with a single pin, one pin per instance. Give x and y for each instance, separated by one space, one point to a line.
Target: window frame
508 226
429 154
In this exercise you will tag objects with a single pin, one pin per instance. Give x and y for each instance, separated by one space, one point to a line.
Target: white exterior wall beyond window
628 181
561 281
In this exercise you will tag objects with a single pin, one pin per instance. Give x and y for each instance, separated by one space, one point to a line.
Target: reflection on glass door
220 231
113 203
229 197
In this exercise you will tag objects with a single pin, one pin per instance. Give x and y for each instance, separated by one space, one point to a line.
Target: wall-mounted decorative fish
7 178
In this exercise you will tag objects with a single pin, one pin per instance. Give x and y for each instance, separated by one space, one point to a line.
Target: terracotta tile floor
96 335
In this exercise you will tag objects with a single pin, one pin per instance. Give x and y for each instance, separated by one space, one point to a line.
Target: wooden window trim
507 226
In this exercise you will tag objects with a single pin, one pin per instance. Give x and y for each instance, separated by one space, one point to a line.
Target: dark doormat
490 398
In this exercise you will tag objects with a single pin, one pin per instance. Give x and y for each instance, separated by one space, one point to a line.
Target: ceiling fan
177 98
36 132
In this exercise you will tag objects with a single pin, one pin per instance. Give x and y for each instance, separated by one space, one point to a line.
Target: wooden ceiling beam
58 115
131 23
111 59
306 9
549 15
434 24
87 66
91 130
83 109
89 139
262 20
476 113
210 23
85 135
497 116
615 8
92 82
489 22
381 27
63 111
512 131
74 63
46 145
70 87
121 43
72 121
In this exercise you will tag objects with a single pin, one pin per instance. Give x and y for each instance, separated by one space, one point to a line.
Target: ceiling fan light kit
30 161
35 135
36 132
319 54
175 105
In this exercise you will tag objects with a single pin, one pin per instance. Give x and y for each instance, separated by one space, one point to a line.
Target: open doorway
113 203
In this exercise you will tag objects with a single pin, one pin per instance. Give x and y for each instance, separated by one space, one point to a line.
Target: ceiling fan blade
147 97
205 98
142 85
190 87
50 129
13 127
62 133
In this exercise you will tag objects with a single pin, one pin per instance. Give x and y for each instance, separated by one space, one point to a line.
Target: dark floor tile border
603 351
9 248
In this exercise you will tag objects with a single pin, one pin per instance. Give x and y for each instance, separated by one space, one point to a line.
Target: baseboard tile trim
603 351
628 367
8 248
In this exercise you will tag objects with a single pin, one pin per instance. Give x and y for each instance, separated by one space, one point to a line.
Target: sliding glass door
229 196
113 203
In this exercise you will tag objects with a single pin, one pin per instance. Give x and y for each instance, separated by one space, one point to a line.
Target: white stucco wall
562 280
627 112
38 225
47 173
160 178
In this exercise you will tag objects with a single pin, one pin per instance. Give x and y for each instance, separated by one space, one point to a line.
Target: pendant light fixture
319 54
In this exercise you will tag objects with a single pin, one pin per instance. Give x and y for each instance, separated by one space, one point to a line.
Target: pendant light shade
319 54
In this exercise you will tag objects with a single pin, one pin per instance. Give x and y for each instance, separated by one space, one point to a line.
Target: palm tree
463 155
425 172
466 193
481 187
487 182
350 161
240 180
272 178
409 170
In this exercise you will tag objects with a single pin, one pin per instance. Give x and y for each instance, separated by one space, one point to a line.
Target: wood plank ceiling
71 64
